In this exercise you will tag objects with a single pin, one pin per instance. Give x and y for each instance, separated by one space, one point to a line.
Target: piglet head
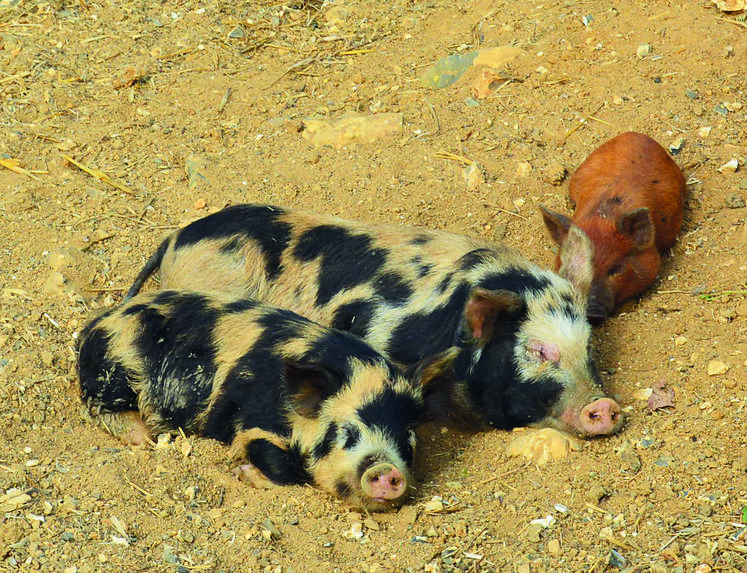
356 429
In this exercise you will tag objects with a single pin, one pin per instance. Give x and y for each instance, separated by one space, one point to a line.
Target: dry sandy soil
140 92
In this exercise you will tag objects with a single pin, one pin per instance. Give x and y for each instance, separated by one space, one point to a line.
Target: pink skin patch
543 351
384 482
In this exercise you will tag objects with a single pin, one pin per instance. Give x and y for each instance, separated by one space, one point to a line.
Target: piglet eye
351 435
616 270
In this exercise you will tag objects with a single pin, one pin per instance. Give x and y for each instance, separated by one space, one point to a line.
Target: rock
196 166
556 173
553 547
473 176
643 50
269 531
408 514
434 505
730 166
523 169
351 128
734 201
72 273
629 457
716 367
541 446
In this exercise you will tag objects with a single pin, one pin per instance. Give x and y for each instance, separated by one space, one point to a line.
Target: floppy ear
557 224
484 306
309 385
638 226
435 374
576 258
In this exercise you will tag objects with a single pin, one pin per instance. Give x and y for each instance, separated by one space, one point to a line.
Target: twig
735 22
224 100
580 124
12 164
98 174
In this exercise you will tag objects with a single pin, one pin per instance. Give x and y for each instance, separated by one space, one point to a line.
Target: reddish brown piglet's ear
557 224
484 306
638 226
309 385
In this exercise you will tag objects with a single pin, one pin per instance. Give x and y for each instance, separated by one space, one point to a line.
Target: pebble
434 505
716 367
704 131
556 173
269 531
692 94
730 166
676 146
553 547
643 50
680 340
733 201
408 514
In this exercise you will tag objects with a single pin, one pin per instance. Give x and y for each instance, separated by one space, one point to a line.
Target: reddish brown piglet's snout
629 196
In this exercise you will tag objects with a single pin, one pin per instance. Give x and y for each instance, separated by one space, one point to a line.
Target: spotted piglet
299 403
629 196
509 338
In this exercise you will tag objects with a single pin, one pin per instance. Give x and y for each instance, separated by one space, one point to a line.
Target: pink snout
384 481
602 416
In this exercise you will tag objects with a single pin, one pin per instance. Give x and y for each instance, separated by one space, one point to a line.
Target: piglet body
629 197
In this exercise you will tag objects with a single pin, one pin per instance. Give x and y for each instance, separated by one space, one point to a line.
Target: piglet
629 198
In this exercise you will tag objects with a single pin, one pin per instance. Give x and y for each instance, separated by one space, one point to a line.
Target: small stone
269 531
472 176
643 50
523 169
434 505
408 514
716 367
704 131
556 173
616 560
237 32
728 51
553 547
596 493
733 201
201 203
692 94
629 457
680 340
676 146
730 166
47 358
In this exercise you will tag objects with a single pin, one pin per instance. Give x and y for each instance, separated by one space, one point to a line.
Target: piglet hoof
255 478
384 481
543 445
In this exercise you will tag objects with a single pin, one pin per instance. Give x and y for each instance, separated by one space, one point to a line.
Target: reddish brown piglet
629 199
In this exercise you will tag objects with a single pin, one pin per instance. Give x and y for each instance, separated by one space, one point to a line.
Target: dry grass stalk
98 174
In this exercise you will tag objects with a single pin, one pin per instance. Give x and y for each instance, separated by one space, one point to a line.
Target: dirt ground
121 121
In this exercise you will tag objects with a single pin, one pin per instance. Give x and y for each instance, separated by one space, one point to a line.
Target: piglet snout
384 481
602 416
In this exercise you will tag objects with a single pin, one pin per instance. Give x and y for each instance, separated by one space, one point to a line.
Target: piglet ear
540 351
576 256
483 308
435 374
309 385
638 226
557 224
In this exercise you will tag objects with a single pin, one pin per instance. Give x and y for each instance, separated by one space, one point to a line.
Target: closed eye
616 270
352 436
